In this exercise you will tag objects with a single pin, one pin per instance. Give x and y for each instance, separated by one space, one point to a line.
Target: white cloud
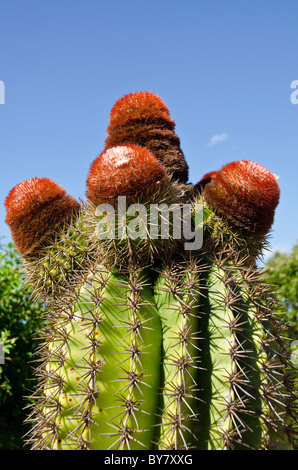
216 138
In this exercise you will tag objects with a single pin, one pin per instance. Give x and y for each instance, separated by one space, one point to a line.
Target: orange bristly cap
123 171
246 193
33 208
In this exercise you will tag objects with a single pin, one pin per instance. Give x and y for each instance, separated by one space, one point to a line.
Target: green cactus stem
179 354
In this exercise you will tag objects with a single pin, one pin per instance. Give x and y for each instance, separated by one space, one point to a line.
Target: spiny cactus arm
47 229
101 382
241 404
261 414
142 118
239 204
222 341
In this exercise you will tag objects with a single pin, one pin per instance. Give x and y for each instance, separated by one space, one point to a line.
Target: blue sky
224 69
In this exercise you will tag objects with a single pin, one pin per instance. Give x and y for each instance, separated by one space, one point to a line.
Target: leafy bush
19 321
282 271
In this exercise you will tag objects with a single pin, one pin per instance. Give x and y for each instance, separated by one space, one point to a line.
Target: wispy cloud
216 138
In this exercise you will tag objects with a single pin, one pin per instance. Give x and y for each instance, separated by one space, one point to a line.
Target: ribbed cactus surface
184 353
148 343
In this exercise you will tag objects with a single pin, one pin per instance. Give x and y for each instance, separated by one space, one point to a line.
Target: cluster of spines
133 383
60 260
223 240
155 238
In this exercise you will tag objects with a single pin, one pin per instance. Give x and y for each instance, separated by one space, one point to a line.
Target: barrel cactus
158 330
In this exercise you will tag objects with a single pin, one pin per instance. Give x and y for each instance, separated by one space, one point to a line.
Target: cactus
147 344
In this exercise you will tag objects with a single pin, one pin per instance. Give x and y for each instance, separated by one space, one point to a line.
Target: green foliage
282 271
19 321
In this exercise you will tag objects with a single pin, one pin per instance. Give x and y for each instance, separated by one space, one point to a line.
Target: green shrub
282 271
19 321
